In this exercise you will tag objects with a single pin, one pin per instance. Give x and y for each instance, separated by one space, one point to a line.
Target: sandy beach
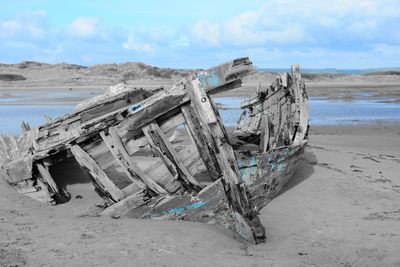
341 207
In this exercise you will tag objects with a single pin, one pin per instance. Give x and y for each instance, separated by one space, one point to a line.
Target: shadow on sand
304 170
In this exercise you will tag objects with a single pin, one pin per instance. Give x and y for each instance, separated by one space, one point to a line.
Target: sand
341 208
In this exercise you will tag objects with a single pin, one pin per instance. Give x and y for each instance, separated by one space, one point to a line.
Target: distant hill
37 74
377 71
29 73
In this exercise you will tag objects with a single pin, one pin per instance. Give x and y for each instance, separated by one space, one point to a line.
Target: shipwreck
123 142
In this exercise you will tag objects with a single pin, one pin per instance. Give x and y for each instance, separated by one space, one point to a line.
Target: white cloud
132 44
10 26
32 14
27 24
54 50
362 27
84 27
206 32
242 29
336 33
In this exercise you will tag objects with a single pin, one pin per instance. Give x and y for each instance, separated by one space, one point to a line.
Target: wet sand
341 208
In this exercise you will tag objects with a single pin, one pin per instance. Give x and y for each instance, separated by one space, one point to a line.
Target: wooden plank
101 181
167 153
219 78
138 176
214 131
4 147
46 176
18 170
134 145
197 135
13 144
34 138
264 136
25 126
216 136
135 116
122 208
301 104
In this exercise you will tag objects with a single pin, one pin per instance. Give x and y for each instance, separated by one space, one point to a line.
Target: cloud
206 32
132 44
26 24
10 26
363 27
84 27
336 33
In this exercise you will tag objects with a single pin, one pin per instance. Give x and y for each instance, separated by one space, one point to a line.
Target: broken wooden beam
214 131
57 193
167 153
100 179
196 133
138 176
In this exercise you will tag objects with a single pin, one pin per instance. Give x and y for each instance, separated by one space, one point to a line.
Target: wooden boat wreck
124 143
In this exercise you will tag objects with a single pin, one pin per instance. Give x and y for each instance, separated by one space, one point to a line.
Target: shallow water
15 108
327 112
11 116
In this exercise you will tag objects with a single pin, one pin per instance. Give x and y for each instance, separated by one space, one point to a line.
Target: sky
344 34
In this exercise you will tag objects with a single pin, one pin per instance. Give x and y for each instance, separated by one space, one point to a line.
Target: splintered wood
167 155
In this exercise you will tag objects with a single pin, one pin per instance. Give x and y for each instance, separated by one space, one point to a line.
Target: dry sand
341 208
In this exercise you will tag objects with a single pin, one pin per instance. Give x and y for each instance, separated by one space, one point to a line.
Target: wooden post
301 103
138 176
264 136
167 153
25 126
13 145
211 124
4 148
195 131
58 194
101 181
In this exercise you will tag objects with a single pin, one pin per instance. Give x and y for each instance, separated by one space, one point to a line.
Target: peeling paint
191 206
280 167
135 107
209 79
243 172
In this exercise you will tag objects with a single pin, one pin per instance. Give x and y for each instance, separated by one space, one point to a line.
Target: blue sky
343 34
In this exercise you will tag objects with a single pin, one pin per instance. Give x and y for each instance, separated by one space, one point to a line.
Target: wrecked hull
124 142
270 172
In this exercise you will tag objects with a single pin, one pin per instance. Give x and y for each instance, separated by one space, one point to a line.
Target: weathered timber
25 126
131 202
57 193
138 176
101 181
301 104
18 170
168 154
135 144
211 124
4 148
196 133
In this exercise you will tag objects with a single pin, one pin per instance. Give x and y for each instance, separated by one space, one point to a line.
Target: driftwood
127 143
